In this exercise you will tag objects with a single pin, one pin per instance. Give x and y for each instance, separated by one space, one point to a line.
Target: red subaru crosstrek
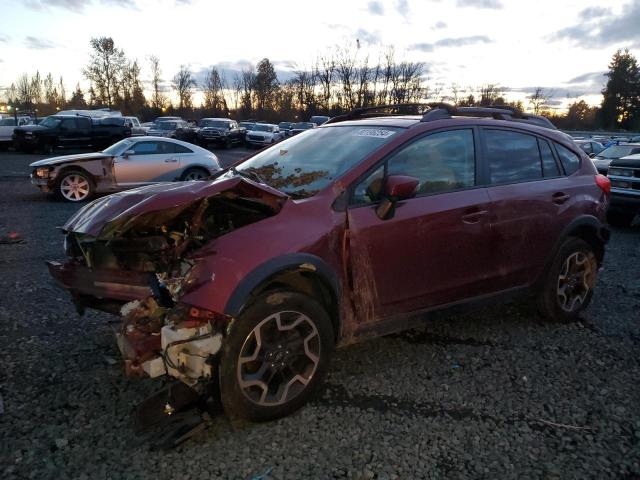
248 281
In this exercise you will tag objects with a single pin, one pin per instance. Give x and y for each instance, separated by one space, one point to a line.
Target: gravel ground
497 393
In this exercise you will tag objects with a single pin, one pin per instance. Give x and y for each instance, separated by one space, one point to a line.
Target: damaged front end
135 254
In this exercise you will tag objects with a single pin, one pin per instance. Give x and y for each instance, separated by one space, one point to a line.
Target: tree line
335 82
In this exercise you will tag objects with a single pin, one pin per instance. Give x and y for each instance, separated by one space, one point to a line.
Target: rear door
435 249
528 194
150 162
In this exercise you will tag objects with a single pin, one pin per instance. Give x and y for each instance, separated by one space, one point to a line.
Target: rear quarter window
570 161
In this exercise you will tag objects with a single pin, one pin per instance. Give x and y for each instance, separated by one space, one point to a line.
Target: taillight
604 183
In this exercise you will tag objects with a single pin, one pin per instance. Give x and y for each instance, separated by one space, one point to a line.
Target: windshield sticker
374 132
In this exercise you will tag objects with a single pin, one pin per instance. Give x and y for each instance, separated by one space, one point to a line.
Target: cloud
491 4
603 30
594 12
4 38
402 7
439 25
451 42
284 70
365 36
77 6
36 43
375 7
591 77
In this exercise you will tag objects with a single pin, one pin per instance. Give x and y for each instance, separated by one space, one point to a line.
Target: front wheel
568 288
75 186
275 357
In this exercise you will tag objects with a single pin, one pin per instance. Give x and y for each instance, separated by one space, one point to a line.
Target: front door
436 248
149 162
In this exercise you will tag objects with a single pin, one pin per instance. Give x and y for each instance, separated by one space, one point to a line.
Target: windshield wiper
250 174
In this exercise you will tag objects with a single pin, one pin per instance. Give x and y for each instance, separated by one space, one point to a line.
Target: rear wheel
275 357
570 281
194 174
620 219
75 186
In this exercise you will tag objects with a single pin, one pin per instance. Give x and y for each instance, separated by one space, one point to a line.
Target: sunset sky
561 45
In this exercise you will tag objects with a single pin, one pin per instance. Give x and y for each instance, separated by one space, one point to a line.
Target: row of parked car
101 128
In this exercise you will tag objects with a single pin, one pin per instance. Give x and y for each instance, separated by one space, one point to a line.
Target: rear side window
69 123
146 148
180 149
549 165
83 122
443 161
570 161
512 156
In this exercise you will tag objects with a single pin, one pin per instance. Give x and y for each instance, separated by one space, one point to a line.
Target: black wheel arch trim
601 230
296 261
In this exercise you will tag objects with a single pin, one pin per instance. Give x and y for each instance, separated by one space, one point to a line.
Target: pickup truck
624 174
60 131
221 131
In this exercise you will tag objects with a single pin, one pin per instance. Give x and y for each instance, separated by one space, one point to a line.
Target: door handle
559 198
170 160
473 216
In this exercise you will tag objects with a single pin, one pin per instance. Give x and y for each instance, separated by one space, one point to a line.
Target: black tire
228 143
67 197
194 171
620 219
554 300
237 403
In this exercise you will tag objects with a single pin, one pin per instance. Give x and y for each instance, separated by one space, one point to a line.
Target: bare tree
539 100
247 85
106 67
214 87
184 83
158 100
324 72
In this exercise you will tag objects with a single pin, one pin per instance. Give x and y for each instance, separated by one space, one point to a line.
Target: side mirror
397 187
128 153
592 154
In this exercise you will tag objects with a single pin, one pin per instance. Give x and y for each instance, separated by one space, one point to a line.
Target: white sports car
132 162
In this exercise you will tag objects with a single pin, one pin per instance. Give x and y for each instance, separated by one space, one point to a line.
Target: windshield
284 125
214 123
258 127
306 163
118 148
247 125
50 122
303 125
7 122
617 151
165 125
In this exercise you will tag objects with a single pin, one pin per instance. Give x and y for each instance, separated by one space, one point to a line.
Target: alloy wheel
75 188
575 281
195 175
278 358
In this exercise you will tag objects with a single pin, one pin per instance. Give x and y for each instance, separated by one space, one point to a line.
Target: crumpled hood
111 216
68 158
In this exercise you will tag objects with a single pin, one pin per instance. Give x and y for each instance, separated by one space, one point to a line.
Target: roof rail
365 111
441 111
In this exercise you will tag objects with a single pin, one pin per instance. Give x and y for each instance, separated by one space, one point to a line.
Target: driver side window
442 162
145 148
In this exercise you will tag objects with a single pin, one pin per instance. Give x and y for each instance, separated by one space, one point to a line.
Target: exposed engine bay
139 266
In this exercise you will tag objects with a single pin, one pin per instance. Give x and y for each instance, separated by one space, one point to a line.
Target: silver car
131 162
